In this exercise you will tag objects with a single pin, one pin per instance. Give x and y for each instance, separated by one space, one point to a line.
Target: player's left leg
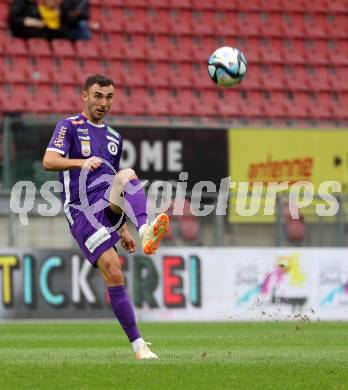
128 194
110 268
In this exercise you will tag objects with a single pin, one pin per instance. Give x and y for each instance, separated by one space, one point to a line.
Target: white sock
142 230
136 344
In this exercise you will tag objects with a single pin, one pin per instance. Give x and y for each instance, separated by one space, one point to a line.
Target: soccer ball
227 66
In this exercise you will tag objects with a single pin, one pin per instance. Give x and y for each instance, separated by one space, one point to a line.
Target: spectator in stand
75 16
30 18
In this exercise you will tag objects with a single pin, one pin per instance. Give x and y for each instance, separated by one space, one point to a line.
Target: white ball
227 66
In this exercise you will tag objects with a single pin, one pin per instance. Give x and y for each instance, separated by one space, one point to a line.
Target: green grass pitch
292 355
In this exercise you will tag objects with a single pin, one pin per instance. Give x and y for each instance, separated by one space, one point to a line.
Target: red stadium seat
339 78
203 5
41 71
14 100
111 20
158 48
15 46
252 107
319 79
4 8
135 20
181 75
63 48
39 47
159 3
199 76
294 51
338 6
253 50
158 21
271 51
207 104
316 26
183 104
296 78
137 3
133 101
189 228
274 106
228 103
253 79
68 100
293 25
131 74
180 4
298 107
180 48
66 72
157 74
113 48
91 67
248 24
337 26
134 47
180 22
273 77
41 101
271 24
87 49
223 19
17 72
338 52
202 48
203 23
158 103
340 107
317 52
323 106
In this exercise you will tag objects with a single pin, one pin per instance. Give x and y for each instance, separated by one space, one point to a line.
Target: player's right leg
128 195
110 268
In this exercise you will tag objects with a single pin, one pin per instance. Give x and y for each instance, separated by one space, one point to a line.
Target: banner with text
285 155
181 284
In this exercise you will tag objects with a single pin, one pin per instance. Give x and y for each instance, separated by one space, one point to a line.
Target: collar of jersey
91 123
94 124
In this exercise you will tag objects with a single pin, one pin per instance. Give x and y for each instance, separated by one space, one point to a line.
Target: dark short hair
99 79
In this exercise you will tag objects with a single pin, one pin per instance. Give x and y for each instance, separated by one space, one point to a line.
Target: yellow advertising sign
277 155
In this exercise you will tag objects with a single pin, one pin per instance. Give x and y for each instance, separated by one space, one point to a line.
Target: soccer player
87 153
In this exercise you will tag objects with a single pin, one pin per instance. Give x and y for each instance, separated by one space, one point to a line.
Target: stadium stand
297 53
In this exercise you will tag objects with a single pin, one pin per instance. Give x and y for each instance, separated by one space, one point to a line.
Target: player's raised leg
128 194
110 267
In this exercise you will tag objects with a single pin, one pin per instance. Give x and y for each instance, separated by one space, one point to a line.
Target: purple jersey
78 138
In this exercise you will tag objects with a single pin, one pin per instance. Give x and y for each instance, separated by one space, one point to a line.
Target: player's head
98 94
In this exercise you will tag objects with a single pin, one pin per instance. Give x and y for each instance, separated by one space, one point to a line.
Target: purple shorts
95 238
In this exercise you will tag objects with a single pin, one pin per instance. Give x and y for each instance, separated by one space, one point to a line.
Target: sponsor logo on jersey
78 122
85 148
112 148
80 130
97 239
84 137
59 141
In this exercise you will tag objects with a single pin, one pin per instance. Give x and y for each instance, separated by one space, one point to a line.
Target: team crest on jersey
85 148
112 148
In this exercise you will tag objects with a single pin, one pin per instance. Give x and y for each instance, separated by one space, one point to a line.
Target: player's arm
57 158
55 161
127 241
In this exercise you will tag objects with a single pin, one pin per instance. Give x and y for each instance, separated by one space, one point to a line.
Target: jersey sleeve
61 138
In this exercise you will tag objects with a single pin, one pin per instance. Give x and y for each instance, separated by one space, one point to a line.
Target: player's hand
127 241
92 163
